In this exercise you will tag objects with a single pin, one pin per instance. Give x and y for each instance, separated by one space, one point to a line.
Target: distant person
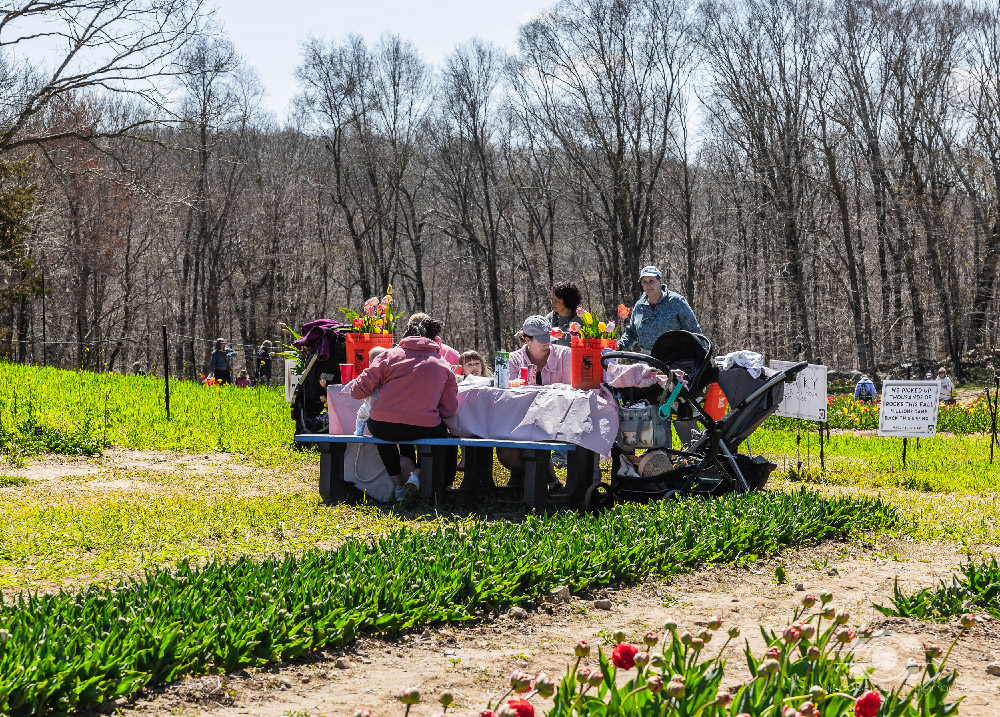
243 379
565 299
137 369
659 311
947 391
220 366
264 362
865 390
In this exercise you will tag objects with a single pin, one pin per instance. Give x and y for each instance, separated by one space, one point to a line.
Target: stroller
326 349
709 463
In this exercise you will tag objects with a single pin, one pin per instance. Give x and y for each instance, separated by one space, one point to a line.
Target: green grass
7 481
79 412
71 650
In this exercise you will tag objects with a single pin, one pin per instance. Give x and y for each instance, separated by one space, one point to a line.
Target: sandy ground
473 662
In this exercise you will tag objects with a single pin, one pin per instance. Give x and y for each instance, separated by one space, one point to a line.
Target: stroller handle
632 356
791 373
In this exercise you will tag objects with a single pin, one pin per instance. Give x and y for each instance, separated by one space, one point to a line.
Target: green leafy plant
975 585
73 649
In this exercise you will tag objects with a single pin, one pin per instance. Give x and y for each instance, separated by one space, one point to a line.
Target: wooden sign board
806 398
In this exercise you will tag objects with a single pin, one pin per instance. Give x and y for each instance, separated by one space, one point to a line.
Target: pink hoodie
416 386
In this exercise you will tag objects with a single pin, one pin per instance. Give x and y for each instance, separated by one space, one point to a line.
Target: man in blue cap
658 311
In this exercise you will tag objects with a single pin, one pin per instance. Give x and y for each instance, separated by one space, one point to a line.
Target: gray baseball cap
538 328
650 271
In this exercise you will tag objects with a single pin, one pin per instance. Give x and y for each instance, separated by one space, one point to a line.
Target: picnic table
536 420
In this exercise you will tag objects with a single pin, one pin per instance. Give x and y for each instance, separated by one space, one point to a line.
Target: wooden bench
478 481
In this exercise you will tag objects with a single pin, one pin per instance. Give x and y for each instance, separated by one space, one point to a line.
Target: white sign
909 408
291 380
806 398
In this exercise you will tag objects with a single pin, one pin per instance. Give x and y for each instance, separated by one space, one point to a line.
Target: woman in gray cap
658 311
552 363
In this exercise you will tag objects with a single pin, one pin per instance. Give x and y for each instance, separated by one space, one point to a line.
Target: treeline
817 177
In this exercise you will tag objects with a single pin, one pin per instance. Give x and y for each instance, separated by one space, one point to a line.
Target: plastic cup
524 374
346 372
457 369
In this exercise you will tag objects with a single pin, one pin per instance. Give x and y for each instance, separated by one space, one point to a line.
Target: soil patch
473 662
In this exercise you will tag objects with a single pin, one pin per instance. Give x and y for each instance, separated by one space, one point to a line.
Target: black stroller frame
711 463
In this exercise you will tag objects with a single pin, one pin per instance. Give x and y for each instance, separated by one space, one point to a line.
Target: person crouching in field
417 390
243 379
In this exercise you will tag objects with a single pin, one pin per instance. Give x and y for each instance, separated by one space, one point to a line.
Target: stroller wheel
597 498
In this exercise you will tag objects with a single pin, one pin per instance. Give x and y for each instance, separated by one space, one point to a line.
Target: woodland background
816 177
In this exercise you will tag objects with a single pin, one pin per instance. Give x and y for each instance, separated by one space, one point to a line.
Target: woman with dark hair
565 299
417 390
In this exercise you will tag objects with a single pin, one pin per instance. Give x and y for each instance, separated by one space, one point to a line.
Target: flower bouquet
373 326
589 337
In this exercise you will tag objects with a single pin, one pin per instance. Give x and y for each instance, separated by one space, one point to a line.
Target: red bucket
586 361
358 346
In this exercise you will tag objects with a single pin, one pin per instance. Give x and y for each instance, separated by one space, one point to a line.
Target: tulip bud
865 631
825 596
4 636
544 685
829 612
843 617
813 653
506 711
790 635
362 712
808 601
583 675
686 638
641 659
657 661
649 639
968 621
582 649
734 631
446 699
596 678
675 689
654 683
769 666
844 635
408 696
790 712
676 678
520 681
670 626
817 693
773 652
697 643
715 623
723 699
620 636
912 667
807 631
705 636
809 710
931 651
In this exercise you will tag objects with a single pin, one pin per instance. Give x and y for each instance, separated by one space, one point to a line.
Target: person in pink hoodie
417 390
447 352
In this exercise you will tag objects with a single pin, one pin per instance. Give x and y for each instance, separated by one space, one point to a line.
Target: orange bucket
586 361
358 346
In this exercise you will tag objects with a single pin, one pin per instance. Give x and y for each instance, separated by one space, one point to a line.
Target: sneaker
399 493
412 486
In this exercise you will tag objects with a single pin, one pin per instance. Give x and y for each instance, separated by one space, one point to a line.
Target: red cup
346 372
524 374
457 369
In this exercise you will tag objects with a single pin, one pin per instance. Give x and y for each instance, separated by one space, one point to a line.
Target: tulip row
67 651
976 584
806 670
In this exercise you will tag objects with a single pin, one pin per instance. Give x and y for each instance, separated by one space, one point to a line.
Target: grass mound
67 651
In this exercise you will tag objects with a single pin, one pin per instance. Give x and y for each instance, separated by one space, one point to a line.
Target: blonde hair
375 353
474 356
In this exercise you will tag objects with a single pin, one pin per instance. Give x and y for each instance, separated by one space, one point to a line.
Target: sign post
908 409
805 399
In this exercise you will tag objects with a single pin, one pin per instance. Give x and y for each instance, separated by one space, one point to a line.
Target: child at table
472 364
365 412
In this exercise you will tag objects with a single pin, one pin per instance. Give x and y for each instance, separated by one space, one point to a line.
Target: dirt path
473 662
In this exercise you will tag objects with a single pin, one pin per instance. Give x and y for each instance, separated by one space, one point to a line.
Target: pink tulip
579 311
556 333
611 327
574 328
370 309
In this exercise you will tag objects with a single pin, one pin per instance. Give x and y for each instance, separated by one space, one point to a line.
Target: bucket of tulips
589 337
372 326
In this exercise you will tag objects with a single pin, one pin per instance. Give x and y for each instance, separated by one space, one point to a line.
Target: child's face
472 368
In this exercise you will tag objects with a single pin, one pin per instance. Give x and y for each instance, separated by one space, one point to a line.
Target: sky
268 34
